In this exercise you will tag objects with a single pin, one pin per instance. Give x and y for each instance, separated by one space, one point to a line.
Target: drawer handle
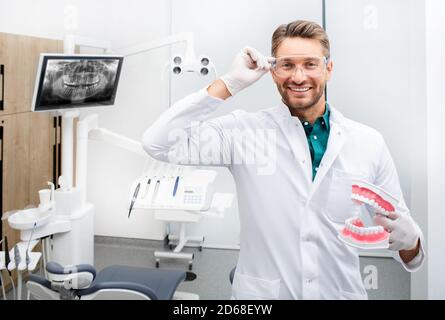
2 75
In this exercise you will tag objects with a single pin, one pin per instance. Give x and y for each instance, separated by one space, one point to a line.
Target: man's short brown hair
301 29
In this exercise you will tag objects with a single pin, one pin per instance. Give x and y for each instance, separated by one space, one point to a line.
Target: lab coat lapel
335 143
295 136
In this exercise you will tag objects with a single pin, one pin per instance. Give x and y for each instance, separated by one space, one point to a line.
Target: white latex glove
404 232
248 67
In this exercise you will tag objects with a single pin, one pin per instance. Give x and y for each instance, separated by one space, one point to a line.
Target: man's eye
311 64
286 65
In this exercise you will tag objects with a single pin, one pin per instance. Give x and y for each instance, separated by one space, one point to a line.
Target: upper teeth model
355 233
377 198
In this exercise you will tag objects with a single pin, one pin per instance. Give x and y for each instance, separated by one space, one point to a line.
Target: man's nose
298 75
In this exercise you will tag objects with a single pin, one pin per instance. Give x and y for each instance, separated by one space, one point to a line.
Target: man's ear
329 68
274 77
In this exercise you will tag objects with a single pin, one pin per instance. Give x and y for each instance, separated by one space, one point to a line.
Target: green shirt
317 137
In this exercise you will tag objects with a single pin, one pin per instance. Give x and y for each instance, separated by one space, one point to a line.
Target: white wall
435 31
140 99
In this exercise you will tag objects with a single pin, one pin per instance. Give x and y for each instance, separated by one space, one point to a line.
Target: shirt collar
326 116
282 113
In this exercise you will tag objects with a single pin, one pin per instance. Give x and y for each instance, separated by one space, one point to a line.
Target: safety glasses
311 66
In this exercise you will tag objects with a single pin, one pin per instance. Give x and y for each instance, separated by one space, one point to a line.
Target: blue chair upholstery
156 284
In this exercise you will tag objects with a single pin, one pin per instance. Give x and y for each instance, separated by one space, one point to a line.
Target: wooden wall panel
41 142
14 50
20 56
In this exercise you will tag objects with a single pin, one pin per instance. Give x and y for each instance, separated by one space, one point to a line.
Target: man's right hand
248 67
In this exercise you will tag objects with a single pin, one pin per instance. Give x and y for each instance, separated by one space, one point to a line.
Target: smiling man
290 218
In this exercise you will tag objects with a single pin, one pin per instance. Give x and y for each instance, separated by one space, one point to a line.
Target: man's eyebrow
290 57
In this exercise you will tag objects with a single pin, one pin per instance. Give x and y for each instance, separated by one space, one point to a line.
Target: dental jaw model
355 233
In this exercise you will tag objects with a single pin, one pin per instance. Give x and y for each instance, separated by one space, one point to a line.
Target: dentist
289 216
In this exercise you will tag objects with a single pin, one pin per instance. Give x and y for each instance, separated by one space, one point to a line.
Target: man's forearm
408 255
219 90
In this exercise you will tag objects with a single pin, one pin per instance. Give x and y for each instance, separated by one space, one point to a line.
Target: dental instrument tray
188 190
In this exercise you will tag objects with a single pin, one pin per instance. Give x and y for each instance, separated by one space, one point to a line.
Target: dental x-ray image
76 81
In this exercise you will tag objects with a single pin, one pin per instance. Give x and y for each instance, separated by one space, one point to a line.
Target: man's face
310 87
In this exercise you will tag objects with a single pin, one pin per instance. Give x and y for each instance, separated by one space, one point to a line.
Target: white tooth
299 89
380 229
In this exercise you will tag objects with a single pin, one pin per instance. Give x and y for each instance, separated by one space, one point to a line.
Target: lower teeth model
354 232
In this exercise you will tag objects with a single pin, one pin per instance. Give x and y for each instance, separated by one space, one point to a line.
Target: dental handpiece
133 200
155 192
147 188
17 258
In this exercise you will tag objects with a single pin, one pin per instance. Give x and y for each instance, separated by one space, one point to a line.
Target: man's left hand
404 232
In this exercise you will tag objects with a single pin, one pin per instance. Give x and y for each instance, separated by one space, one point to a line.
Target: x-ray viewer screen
76 81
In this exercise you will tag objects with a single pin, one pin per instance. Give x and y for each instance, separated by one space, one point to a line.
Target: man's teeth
299 89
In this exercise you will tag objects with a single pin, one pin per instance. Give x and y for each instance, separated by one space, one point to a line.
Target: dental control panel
174 187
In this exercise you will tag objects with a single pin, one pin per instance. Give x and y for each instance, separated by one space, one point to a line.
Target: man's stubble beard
299 106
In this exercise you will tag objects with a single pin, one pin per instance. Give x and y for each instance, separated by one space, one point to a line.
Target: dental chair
81 282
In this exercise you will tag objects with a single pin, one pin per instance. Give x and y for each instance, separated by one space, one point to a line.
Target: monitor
75 81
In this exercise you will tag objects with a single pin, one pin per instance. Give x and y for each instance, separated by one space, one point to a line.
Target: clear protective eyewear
311 66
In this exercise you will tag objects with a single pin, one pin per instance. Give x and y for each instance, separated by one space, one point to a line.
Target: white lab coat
289 224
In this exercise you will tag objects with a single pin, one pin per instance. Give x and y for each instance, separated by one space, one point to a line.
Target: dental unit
376 201
66 217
